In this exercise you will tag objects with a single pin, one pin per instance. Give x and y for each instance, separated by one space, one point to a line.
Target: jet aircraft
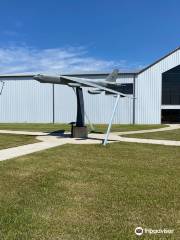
109 86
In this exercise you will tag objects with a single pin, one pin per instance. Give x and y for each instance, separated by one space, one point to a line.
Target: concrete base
79 132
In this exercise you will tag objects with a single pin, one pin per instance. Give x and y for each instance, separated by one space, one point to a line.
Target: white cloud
58 60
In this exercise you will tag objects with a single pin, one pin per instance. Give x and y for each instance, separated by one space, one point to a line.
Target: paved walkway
46 142
24 133
50 141
26 149
168 128
150 141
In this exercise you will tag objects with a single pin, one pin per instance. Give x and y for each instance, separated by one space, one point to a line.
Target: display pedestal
79 132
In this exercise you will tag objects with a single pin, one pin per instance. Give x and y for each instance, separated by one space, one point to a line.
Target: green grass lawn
49 127
168 135
91 192
127 127
12 140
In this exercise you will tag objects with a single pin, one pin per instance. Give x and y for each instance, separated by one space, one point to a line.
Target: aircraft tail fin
112 76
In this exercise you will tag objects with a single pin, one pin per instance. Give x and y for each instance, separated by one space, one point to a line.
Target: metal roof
9 76
144 69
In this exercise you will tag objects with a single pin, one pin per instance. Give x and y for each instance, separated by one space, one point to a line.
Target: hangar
155 91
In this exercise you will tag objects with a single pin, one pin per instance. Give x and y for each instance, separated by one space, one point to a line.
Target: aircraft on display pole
109 86
95 86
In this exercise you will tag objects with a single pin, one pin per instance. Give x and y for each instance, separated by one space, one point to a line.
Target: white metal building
156 90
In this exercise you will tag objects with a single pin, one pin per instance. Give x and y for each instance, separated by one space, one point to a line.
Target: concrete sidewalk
50 141
168 128
24 133
150 141
46 143
26 149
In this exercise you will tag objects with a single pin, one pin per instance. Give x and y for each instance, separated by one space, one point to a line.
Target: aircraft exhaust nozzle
47 79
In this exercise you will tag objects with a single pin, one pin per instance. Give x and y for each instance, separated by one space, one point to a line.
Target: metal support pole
111 120
53 104
80 107
134 99
91 125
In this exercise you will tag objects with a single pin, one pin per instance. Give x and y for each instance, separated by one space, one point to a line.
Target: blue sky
78 35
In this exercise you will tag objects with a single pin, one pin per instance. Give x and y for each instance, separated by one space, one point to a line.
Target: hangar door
170 110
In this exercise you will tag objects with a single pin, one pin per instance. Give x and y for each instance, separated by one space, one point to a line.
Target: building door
170 116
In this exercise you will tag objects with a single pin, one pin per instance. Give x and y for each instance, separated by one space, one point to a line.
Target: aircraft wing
86 83
65 80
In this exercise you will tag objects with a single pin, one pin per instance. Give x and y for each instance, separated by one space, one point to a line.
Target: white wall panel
65 104
30 101
148 90
26 101
99 108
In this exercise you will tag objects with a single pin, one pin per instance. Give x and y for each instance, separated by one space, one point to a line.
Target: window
171 87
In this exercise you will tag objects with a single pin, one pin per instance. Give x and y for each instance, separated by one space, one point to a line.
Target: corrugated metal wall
30 101
26 101
148 90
